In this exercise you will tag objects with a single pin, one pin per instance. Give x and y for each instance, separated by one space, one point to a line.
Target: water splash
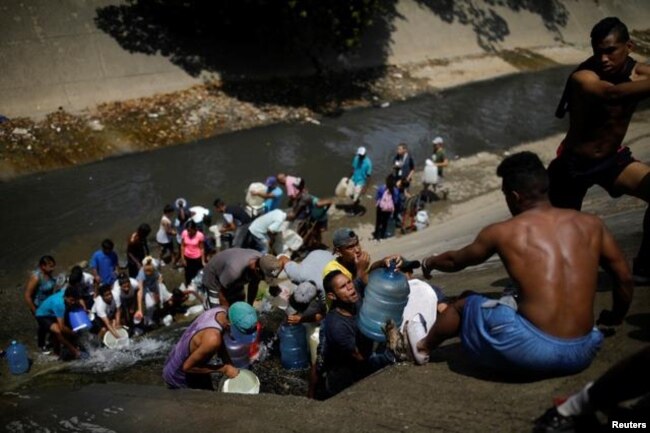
101 360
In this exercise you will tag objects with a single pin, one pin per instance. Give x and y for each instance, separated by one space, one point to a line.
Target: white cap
438 140
361 151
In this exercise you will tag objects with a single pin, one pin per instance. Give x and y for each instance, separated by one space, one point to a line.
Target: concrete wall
52 54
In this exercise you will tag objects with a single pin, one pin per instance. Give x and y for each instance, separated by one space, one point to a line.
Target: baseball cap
361 150
271 181
302 295
243 322
270 267
344 237
304 292
438 140
180 202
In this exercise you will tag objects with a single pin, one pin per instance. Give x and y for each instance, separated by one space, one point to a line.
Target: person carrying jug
345 354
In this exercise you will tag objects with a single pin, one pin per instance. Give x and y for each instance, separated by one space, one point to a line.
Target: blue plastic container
237 350
294 352
79 320
385 298
17 358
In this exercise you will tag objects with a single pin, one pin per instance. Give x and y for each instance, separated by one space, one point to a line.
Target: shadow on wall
269 38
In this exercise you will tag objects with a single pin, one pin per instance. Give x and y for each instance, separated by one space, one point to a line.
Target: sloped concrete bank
76 94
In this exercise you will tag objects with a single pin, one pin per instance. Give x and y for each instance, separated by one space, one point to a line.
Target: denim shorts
497 336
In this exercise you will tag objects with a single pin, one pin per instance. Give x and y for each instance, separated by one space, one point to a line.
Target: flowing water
67 213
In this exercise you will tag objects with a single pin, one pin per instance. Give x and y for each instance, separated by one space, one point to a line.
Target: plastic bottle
294 353
238 351
385 298
17 358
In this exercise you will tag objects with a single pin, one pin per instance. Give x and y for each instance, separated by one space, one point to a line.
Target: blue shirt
52 306
105 265
361 172
273 202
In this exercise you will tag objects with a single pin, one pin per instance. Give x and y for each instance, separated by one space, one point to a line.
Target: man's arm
30 289
483 247
140 298
613 261
94 269
197 362
591 84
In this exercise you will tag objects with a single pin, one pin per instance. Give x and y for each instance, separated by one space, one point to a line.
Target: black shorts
169 246
45 322
570 176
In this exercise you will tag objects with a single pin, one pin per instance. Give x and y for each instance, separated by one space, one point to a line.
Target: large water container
294 353
385 298
79 320
237 350
17 358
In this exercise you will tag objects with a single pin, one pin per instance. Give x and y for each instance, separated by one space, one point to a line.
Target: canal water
68 212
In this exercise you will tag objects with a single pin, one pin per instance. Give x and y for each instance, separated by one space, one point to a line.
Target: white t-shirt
87 284
120 296
161 236
269 222
103 310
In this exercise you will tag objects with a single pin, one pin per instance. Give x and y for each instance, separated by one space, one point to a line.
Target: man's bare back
552 254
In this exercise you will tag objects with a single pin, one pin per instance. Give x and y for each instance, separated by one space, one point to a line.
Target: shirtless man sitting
552 255
601 96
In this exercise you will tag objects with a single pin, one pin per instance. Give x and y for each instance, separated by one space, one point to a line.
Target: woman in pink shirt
192 251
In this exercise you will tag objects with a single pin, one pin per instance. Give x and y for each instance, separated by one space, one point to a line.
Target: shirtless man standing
552 255
601 96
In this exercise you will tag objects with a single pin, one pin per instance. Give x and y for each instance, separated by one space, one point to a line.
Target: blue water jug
386 295
17 358
237 350
294 353
79 320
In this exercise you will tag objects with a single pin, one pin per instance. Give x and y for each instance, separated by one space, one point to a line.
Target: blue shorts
500 338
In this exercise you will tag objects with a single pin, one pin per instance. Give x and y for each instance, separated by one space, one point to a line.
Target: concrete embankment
53 54
448 394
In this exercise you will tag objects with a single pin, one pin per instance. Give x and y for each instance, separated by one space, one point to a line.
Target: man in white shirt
107 313
264 229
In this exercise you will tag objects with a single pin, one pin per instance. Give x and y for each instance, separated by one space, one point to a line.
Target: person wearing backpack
387 201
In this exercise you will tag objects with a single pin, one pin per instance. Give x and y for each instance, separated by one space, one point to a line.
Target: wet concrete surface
448 394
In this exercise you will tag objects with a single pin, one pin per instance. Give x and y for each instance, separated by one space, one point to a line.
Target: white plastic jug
430 173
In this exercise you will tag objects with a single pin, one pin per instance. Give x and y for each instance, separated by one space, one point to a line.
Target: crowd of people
544 326
132 293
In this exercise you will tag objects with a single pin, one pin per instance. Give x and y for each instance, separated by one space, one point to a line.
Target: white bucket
194 310
116 343
246 382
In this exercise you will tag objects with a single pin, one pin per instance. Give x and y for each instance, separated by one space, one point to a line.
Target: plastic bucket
246 382
116 343
79 320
